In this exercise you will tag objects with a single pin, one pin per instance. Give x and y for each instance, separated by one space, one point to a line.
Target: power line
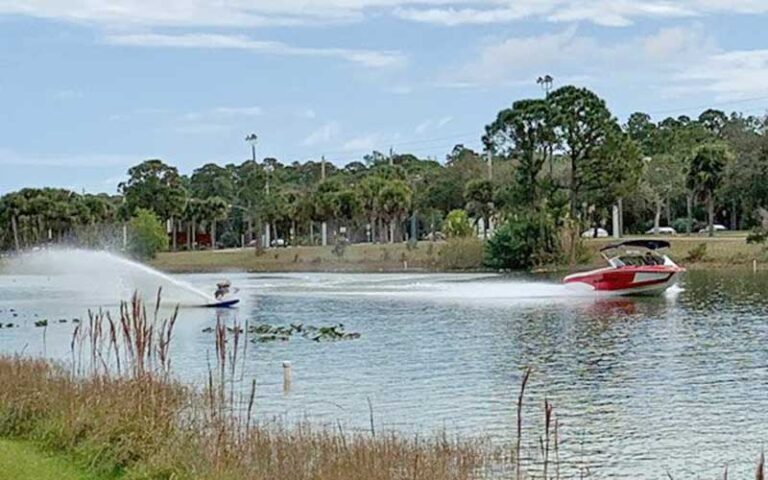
710 105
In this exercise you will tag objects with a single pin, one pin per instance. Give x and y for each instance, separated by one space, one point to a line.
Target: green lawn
20 460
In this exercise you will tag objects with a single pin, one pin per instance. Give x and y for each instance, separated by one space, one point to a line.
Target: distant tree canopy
564 158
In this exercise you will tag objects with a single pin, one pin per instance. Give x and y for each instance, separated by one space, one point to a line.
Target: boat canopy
649 244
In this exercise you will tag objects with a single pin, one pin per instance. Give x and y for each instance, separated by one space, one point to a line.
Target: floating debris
41 323
62 320
75 320
207 329
9 325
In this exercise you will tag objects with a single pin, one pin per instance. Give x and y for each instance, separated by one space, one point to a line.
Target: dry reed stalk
518 444
760 472
547 427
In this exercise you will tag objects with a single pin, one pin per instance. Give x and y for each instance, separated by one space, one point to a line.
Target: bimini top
649 244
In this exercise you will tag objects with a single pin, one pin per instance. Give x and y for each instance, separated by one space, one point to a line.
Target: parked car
601 233
436 236
717 227
662 231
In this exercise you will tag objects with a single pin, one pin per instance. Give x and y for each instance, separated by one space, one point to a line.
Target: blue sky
89 88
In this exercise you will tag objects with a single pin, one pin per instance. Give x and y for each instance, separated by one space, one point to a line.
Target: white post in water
286 377
125 236
616 223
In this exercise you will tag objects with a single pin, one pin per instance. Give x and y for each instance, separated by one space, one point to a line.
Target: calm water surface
677 383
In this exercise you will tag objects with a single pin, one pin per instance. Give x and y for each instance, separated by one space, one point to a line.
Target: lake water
676 383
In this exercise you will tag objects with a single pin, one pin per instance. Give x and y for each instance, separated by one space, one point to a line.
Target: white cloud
258 13
307 113
451 16
570 55
363 143
223 113
368 58
612 13
432 125
731 75
324 134
92 160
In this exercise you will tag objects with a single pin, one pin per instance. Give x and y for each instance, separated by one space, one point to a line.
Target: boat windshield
637 260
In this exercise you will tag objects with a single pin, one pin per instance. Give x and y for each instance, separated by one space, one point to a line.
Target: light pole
253 139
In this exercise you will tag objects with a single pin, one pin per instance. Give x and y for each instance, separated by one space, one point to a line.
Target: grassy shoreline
726 251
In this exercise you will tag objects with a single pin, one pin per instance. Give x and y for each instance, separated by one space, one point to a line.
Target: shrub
461 254
697 253
757 235
681 225
456 225
521 243
147 235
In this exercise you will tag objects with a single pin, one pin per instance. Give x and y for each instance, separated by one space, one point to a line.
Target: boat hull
649 280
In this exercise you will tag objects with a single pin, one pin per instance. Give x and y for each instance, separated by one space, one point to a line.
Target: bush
456 225
681 225
697 253
147 235
461 254
521 243
758 235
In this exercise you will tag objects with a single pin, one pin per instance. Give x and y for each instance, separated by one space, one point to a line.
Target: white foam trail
447 288
105 273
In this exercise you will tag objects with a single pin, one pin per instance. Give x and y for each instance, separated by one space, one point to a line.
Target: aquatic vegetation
267 333
41 323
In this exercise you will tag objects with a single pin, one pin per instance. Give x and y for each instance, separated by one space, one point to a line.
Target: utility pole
324 226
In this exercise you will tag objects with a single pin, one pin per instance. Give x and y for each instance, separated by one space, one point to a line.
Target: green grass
727 249
21 460
356 258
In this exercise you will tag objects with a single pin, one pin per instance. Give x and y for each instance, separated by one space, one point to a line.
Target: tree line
549 165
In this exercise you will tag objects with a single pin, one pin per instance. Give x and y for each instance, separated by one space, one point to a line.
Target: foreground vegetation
24 461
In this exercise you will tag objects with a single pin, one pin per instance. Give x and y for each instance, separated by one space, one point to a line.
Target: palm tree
193 211
394 200
370 189
216 209
479 197
706 174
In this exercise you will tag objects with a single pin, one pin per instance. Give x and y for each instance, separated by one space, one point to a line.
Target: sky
90 87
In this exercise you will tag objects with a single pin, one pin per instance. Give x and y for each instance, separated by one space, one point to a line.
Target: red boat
635 268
